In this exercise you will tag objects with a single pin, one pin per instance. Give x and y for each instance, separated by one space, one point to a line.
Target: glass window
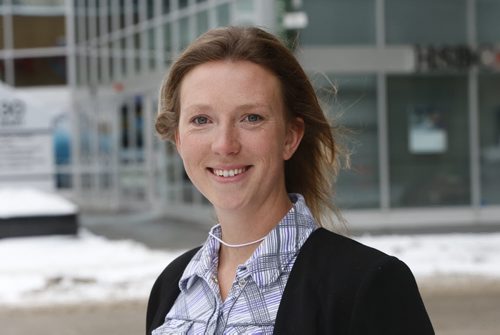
39 2
222 13
1 32
123 57
138 52
103 20
150 9
183 3
425 21
344 22
166 6
185 36
135 12
122 13
245 5
40 71
488 14
111 61
201 22
428 141
167 44
2 70
38 31
489 106
103 71
355 109
152 48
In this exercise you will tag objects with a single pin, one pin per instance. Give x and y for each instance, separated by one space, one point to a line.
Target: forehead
229 80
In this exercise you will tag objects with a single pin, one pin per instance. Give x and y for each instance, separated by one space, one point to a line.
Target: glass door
428 140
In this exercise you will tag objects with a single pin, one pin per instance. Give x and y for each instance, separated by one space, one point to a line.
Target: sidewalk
156 233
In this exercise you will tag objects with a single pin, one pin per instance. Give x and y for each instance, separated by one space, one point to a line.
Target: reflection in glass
428 141
222 13
167 44
489 106
339 22
151 48
488 14
201 22
355 109
425 22
184 32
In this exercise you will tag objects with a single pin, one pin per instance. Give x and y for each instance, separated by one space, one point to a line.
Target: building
32 43
418 84
33 75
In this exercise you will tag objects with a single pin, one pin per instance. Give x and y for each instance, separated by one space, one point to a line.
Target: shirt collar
269 260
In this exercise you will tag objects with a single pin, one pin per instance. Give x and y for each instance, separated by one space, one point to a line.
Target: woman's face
232 135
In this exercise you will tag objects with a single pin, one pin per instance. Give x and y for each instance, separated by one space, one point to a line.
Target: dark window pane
2 70
183 3
489 108
1 32
166 6
40 71
150 10
428 141
38 31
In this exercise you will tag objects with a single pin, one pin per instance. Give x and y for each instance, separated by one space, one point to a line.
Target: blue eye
253 118
200 120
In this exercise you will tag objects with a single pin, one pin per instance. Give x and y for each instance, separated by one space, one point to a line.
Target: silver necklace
236 245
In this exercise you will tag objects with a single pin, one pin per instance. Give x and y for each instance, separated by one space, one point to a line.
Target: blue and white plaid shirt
252 303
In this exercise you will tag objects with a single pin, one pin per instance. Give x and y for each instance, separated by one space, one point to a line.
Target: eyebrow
247 106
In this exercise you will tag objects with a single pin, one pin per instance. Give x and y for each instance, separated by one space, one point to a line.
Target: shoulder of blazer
165 290
337 284
324 281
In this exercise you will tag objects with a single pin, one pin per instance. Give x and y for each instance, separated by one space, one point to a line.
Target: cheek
190 149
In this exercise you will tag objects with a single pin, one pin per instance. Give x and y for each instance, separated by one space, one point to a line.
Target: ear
177 142
295 132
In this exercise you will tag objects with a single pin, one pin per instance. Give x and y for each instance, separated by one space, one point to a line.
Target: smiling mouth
228 173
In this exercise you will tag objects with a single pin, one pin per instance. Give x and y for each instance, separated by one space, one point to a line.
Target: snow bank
443 254
53 270
63 269
19 202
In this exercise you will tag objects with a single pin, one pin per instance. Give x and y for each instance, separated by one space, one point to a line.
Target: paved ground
457 306
456 311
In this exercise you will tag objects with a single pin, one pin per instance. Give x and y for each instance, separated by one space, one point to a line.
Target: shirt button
242 282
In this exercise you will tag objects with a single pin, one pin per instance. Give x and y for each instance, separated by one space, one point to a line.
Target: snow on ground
23 202
64 269
67 269
443 254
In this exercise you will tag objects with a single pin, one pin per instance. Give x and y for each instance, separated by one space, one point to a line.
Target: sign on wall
26 143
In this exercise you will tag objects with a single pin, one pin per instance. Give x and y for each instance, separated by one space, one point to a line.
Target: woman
254 141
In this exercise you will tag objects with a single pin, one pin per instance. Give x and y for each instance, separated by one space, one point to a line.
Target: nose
226 140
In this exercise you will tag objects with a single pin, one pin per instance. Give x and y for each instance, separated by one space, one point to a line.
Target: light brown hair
312 169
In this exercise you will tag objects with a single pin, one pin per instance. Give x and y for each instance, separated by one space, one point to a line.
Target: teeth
228 173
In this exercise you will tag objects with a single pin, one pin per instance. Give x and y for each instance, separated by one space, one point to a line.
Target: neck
247 228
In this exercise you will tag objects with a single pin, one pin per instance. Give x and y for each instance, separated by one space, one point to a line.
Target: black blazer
336 286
